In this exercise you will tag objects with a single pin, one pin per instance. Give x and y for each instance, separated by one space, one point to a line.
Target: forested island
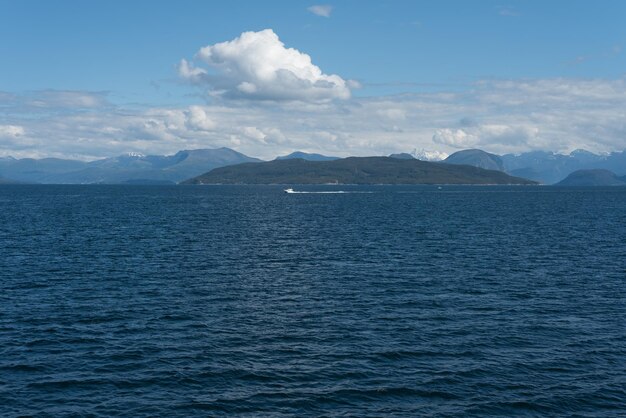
354 170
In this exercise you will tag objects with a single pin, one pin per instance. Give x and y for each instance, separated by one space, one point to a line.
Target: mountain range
130 168
542 166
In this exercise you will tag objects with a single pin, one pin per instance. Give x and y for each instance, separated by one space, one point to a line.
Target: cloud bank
257 65
498 116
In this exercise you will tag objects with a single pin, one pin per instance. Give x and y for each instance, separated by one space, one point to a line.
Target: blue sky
438 75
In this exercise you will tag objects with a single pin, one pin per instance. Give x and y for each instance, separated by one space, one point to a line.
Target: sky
91 79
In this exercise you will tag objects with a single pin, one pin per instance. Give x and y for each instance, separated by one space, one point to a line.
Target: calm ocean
222 301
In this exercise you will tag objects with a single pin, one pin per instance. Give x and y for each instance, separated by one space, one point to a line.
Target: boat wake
292 191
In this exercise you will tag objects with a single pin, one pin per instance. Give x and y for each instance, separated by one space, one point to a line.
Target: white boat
289 190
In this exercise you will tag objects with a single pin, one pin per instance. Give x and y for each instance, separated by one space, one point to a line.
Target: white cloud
190 73
198 119
53 101
11 131
254 133
456 138
553 92
503 137
71 99
393 113
257 65
323 10
353 84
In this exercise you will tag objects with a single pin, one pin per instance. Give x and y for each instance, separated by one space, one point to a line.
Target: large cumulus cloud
257 65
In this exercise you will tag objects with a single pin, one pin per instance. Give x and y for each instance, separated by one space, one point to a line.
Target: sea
380 301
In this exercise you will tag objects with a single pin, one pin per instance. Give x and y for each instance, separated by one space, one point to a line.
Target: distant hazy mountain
596 177
476 158
8 181
354 170
616 162
31 170
129 168
189 163
542 166
307 156
549 167
402 156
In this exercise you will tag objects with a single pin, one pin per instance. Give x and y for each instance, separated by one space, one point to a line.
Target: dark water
410 301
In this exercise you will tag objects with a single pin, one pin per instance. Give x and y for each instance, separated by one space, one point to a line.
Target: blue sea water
246 301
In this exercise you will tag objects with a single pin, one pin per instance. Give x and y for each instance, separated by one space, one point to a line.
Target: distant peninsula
4 180
597 177
354 170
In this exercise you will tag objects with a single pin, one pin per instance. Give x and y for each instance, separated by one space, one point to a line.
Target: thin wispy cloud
610 53
508 11
579 60
53 101
323 10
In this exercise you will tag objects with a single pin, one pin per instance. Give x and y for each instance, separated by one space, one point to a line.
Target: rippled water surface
408 301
